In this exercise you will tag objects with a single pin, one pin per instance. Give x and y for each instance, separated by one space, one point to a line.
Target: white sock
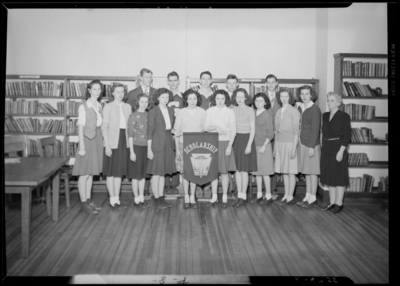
117 200
239 196
192 200
141 198
137 200
259 195
289 198
268 196
307 197
112 201
224 198
244 196
187 199
214 198
312 199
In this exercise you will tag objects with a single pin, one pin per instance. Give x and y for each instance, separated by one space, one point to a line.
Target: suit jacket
110 126
156 127
130 98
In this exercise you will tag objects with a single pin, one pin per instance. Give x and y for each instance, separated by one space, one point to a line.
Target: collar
178 94
271 93
117 104
90 104
144 88
303 108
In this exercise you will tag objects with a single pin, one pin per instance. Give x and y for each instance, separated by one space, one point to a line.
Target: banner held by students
200 157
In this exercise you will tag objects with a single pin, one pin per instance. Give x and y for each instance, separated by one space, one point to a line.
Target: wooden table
22 178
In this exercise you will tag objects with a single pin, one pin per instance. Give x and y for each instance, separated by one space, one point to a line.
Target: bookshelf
56 91
374 75
251 84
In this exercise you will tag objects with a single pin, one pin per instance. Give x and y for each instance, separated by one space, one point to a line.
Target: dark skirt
117 164
244 162
334 173
164 161
137 170
92 162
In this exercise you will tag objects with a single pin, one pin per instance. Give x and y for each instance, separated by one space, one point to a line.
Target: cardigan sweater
289 126
310 126
185 122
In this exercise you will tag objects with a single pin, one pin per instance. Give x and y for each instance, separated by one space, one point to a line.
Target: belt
329 139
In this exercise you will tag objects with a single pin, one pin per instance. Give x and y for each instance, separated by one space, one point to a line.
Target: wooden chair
47 144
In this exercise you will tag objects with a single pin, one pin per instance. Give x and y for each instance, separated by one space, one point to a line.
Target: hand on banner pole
178 155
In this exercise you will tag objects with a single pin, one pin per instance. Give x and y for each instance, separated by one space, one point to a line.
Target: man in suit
172 181
146 77
272 93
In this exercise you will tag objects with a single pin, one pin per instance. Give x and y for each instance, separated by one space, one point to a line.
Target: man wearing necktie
146 77
272 93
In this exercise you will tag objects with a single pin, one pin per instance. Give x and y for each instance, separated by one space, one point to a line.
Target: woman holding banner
191 118
221 119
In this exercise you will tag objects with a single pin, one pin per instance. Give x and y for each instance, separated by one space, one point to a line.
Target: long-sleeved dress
338 130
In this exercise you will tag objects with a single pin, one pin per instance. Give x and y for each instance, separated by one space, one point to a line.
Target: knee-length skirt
265 162
92 162
244 162
138 169
307 165
334 173
225 163
164 161
117 164
283 163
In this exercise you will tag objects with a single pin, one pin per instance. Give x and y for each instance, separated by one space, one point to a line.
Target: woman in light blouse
221 119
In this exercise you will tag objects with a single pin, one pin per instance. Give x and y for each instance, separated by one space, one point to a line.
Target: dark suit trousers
172 180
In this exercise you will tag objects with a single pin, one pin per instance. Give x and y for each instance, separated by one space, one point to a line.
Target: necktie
147 91
272 99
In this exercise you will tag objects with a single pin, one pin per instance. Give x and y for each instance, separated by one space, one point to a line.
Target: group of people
139 135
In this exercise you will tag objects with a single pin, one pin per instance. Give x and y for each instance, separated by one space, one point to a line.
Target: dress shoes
162 199
93 205
87 209
267 202
258 201
212 204
240 203
235 202
159 204
193 206
291 202
328 207
301 203
307 205
186 205
120 207
224 205
337 209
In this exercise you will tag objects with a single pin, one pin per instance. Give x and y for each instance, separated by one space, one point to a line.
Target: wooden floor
252 240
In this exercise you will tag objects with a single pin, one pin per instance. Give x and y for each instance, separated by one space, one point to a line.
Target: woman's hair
115 86
292 100
89 86
313 94
135 105
338 97
246 95
161 91
266 99
224 93
186 94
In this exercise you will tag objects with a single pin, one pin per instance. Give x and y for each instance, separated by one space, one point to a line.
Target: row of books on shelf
33 88
30 107
355 89
362 135
366 183
34 125
358 159
359 111
50 151
364 69
78 89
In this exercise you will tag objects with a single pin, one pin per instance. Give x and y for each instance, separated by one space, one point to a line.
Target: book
358 186
364 183
371 184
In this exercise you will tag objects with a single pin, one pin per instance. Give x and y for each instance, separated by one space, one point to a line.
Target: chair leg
66 186
48 199
38 192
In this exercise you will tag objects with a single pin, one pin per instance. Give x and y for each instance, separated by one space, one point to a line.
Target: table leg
26 203
56 195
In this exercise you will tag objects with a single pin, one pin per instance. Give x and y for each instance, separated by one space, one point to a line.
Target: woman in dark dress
336 132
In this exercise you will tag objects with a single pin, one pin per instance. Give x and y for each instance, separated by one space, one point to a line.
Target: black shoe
174 190
210 204
301 203
291 202
280 202
159 204
235 202
224 205
164 202
119 207
93 205
309 206
266 202
328 207
240 203
193 206
337 209
258 201
87 209
186 205
146 204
